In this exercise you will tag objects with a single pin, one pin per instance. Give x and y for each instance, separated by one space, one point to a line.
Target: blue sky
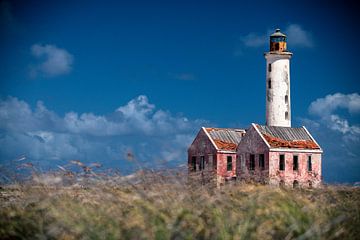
94 81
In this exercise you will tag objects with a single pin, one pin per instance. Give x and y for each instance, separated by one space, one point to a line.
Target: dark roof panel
287 137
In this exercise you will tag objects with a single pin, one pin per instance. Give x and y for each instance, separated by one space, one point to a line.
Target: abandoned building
214 152
274 153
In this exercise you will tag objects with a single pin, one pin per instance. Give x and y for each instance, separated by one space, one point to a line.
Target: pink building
279 155
213 152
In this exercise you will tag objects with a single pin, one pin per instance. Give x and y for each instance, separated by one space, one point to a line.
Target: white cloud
326 108
334 124
332 102
296 36
54 61
42 135
254 39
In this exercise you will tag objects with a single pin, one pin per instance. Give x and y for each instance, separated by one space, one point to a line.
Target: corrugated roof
287 137
226 138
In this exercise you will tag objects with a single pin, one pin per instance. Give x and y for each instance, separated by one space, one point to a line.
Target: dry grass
163 206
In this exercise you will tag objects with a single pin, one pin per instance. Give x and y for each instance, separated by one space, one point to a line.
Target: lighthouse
278 108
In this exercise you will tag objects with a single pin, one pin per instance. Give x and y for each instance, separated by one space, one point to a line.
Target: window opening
295 163
193 164
309 164
262 161
282 162
229 163
252 162
202 163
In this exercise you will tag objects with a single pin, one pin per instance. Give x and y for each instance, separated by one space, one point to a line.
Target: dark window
277 46
309 164
295 184
286 98
229 163
282 162
252 162
269 83
269 67
202 163
193 163
286 115
295 163
310 184
262 161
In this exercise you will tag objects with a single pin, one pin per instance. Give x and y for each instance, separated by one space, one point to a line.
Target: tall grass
165 206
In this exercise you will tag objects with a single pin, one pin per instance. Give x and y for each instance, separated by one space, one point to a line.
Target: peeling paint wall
202 146
304 177
278 105
252 144
222 171
215 161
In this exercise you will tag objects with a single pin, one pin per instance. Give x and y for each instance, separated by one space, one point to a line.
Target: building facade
279 156
213 153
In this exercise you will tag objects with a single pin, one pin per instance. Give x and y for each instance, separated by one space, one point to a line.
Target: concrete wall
302 175
279 76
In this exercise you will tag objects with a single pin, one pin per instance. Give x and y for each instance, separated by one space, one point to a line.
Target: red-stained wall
222 165
302 175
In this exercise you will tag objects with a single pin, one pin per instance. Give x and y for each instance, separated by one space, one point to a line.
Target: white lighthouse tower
278 108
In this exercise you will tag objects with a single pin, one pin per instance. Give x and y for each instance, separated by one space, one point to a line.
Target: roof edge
312 137
262 137
211 140
296 150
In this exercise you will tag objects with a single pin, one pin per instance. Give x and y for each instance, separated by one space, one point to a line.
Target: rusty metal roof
287 137
226 138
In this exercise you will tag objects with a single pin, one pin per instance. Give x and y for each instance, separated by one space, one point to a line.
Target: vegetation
163 206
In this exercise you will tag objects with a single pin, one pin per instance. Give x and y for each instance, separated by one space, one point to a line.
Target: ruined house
274 153
279 155
213 152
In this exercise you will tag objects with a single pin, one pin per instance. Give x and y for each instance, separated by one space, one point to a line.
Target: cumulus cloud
326 108
42 135
333 121
332 102
53 61
297 37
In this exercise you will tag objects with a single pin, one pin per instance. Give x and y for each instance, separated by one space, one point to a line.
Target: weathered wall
222 165
215 162
252 144
202 146
303 176
279 76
